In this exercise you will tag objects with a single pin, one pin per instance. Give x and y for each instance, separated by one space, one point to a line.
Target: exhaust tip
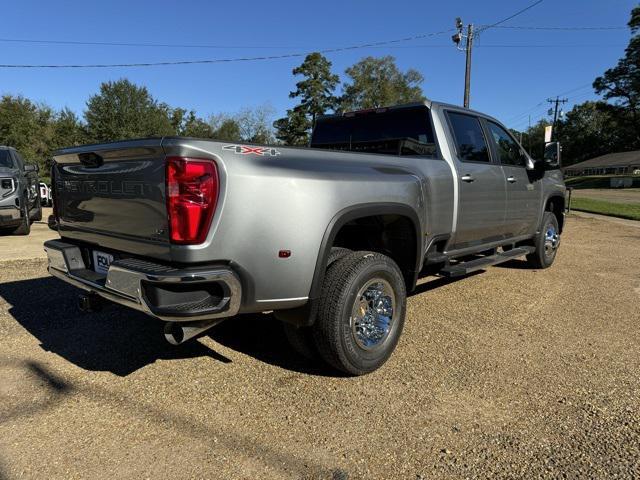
177 333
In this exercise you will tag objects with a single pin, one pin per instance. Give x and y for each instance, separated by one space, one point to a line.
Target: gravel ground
25 248
508 373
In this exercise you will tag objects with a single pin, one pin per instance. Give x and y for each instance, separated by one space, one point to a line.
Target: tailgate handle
91 159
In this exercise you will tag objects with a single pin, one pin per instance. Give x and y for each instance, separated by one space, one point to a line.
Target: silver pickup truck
330 238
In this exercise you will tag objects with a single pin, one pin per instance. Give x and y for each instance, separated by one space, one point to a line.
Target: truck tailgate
108 193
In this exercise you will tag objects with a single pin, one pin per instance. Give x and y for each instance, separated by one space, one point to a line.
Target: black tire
335 337
301 338
546 248
25 225
38 216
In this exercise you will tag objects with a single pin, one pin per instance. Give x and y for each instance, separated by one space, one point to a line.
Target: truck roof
426 103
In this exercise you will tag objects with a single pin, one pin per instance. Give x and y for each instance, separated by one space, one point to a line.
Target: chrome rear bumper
129 281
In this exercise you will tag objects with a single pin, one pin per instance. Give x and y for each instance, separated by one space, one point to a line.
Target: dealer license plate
101 261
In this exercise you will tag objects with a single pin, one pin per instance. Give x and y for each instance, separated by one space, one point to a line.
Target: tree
187 124
293 129
316 94
622 82
225 128
589 130
377 82
68 131
27 127
533 139
124 110
316 90
255 124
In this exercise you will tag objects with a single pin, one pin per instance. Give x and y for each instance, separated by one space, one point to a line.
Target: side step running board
464 268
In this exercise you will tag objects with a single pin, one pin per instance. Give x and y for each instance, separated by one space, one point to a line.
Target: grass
622 210
598 181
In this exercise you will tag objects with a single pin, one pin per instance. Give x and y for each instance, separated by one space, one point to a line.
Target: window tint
5 159
509 152
405 131
470 141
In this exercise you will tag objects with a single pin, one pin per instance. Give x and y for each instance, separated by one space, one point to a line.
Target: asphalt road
509 373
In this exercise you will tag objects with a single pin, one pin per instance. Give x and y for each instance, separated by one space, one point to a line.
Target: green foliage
187 124
589 130
68 131
123 110
316 94
377 82
26 126
533 139
227 130
622 83
293 129
316 90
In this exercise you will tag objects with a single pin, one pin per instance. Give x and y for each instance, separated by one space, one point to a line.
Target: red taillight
192 194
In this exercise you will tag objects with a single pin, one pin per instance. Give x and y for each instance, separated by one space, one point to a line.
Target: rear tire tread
327 331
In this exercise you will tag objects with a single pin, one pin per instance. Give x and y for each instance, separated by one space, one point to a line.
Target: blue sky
507 82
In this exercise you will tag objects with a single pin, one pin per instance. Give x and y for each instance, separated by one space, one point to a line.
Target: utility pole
468 46
557 102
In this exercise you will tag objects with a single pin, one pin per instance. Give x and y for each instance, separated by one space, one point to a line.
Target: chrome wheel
551 240
372 316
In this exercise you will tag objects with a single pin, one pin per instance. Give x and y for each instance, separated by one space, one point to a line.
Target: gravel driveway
507 373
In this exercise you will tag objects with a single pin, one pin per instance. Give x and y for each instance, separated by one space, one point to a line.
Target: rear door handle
511 179
467 178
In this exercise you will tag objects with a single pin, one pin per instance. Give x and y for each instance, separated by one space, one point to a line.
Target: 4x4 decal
247 150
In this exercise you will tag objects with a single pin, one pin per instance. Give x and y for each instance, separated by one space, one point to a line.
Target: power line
517 27
506 19
257 58
247 47
229 60
542 102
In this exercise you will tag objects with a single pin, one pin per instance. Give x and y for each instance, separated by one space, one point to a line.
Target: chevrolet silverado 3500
330 238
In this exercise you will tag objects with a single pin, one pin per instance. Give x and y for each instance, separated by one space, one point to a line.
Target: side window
509 152
5 159
19 160
470 141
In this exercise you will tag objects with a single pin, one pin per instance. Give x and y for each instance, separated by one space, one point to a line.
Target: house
623 163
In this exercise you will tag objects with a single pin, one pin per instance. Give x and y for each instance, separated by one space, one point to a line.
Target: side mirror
31 168
552 155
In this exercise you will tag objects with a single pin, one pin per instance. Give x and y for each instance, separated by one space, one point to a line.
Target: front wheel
361 313
546 243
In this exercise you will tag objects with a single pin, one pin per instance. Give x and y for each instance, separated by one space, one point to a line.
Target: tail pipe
177 333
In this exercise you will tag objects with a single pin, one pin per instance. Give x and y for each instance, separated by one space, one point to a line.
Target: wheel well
393 235
555 205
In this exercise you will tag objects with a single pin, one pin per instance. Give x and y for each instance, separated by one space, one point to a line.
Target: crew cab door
523 189
481 184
